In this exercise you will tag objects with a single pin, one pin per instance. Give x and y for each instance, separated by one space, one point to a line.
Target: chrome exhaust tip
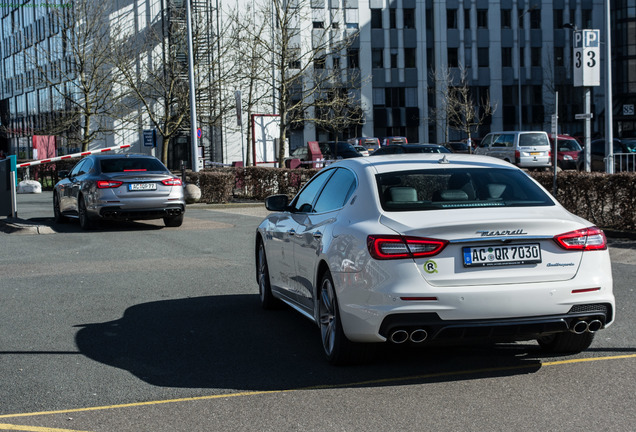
579 327
399 336
418 336
594 326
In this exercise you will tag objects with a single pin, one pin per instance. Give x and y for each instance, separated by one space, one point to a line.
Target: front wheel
337 347
566 343
268 301
58 217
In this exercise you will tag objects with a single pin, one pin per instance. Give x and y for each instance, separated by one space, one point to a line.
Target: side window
86 167
76 169
337 191
304 200
509 140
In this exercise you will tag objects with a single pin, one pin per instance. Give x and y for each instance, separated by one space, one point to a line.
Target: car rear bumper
429 327
119 213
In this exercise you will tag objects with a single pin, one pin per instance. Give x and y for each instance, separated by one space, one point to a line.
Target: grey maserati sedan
119 187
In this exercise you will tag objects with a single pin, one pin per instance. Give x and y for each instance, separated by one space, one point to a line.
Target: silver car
119 187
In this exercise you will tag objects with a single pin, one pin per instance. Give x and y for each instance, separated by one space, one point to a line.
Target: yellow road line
319 387
34 428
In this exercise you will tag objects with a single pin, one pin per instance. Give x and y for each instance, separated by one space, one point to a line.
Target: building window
451 18
535 19
353 58
482 18
376 18
483 57
392 18
409 18
410 60
522 57
319 24
558 56
586 17
453 59
376 59
394 61
506 18
466 18
558 18
319 63
506 57
535 54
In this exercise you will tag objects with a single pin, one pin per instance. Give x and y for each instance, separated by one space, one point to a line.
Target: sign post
587 73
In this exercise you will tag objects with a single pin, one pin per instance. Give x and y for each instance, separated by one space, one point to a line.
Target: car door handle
317 235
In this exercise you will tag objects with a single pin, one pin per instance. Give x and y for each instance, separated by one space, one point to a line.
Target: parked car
414 249
120 187
394 140
333 150
458 146
527 149
362 150
624 155
369 143
410 148
568 151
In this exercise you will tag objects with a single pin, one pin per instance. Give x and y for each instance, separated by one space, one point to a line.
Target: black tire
268 301
338 349
58 217
173 221
566 343
84 219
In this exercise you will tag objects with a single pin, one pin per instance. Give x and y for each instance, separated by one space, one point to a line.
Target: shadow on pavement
230 342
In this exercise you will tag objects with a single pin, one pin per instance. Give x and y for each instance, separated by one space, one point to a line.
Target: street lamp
519 64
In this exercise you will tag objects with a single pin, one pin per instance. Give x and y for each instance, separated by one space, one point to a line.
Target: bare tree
310 69
153 66
462 109
76 64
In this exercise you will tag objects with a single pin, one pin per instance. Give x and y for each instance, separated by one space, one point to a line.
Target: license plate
535 153
142 186
502 255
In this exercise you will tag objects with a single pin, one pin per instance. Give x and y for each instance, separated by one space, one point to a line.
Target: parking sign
586 58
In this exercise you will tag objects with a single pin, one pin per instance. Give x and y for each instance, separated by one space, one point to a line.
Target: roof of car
410 161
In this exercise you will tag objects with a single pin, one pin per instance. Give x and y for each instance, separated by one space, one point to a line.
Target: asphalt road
136 327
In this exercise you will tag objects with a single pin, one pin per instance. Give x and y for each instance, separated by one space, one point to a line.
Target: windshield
568 145
630 144
454 188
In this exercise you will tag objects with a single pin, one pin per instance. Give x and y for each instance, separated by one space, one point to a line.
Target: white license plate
501 255
142 186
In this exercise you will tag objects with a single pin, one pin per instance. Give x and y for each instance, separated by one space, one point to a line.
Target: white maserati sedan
428 248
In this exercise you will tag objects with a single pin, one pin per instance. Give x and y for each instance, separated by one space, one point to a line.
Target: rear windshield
533 139
453 188
131 165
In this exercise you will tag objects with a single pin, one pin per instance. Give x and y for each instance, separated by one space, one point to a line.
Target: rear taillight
108 184
517 156
396 247
584 239
175 181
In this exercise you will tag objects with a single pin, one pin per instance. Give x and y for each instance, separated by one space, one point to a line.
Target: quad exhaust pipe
580 327
416 336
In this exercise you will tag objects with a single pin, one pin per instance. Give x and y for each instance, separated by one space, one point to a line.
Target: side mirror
276 202
62 174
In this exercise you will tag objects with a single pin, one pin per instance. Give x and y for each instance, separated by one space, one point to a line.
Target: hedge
607 200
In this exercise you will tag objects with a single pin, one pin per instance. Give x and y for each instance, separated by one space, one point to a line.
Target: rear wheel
338 349
173 221
84 219
570 343
58 217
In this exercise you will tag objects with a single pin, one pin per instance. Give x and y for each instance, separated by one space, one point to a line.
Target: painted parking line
9 427
321 387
